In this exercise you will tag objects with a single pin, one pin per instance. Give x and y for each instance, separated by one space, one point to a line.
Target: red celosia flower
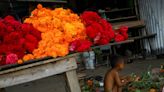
36 33
80 45
31 38
97 29
13 37
3 60
16 38
9 29
103 42
119 38
125 35
73 46
30 46
89 17
85 45
123 29
9 17
91 32
26 28
11 58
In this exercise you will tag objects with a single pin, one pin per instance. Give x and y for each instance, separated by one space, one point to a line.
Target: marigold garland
59 28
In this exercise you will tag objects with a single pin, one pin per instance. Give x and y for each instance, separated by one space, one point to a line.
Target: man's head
117 62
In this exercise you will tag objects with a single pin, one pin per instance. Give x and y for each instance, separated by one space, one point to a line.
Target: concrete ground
57 83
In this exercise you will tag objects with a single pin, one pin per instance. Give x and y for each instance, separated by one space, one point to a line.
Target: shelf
142 37
55 1
130 24
115 43
122 18
116 10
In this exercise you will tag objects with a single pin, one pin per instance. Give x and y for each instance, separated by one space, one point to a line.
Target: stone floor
57 83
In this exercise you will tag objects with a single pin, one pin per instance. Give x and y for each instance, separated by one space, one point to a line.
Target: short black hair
115 60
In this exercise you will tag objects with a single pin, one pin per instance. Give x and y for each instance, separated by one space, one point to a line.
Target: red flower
17 39
26 28
11 58
119 38
73 46
123 29
9 17
36 33
9 29
103 42
2 29
125 36
85 45
12 38
93 30
98 29
3 60
31 38
80 45
30 46
89 17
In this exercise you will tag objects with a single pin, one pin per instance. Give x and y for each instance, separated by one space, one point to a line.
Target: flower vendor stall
43 44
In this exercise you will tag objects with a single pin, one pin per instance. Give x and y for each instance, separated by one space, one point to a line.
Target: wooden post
73 81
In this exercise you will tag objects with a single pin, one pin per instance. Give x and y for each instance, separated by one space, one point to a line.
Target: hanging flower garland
16 39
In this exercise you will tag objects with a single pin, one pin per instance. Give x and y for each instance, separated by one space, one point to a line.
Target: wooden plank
55 1
38 63
73 81
115 43
115 10
122 18
142 37
130 24
37 72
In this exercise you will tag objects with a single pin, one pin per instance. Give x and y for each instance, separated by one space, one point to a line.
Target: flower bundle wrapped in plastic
16 39
59 28
97 28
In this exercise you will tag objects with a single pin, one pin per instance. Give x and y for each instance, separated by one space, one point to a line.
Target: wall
19 9
152 12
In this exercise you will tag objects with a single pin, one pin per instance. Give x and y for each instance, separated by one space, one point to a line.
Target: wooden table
41 70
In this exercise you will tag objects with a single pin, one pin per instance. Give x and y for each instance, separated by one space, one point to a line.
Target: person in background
112 81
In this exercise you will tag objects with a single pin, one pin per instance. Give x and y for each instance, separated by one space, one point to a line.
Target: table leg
2 90
73 81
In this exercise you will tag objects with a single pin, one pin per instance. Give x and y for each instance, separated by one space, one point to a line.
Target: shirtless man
112 82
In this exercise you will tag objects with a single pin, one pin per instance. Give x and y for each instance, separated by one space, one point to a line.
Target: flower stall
43 44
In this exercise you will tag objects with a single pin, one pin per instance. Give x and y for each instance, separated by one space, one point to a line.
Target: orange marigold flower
59 28
20 61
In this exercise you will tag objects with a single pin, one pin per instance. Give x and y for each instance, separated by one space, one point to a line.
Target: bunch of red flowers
97 28
121 34
16 39
80 45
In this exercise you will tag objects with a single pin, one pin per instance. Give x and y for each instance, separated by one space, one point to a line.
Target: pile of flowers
59 28
97 28
121 34
53 33
100 31
16 39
